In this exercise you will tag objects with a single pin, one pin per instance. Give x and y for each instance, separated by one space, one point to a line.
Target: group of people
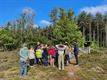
43 54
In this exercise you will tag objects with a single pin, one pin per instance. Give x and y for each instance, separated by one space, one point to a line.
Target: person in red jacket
52 55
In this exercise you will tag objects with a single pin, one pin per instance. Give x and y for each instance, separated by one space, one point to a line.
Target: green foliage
7 39
67 30
6 36
10 46
63 28
94 44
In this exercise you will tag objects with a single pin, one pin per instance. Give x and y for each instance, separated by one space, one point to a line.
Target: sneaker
59 68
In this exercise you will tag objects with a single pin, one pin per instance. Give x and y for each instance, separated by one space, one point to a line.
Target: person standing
24 54
39 55
61 49
67 55
70 53
76 50
52 56
31 56
35 48
45 55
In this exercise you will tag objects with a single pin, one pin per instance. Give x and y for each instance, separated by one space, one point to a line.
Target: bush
10 46
31 44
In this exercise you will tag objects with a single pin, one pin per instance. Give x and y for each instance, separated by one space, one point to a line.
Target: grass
92 67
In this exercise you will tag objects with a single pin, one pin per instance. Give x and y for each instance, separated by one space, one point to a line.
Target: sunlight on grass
92 67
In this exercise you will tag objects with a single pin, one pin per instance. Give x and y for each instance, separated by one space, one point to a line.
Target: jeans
76 57
45 61
35 61
61 61
39 61
23 68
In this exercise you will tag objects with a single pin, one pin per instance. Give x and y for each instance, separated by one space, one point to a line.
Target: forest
65 26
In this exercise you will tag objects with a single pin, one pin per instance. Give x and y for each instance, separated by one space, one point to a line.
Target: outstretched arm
57 46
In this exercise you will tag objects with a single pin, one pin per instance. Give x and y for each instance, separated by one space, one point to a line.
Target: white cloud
94 9
35 26
45 22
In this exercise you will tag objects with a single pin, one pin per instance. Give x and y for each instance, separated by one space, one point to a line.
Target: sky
11 10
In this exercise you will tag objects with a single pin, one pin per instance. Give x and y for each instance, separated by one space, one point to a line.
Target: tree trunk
103 39
94 35
106 35
98 35
90 32
83 33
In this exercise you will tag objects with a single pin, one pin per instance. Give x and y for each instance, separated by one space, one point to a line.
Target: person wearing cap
24 54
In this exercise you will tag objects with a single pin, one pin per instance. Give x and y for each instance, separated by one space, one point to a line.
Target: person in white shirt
31 56
61 49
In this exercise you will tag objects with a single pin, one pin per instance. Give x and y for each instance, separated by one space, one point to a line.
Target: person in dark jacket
76 50
36 46
45 55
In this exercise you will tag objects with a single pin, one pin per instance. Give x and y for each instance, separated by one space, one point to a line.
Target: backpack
53 56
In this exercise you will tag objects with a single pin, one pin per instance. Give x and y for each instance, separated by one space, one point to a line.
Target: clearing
92 66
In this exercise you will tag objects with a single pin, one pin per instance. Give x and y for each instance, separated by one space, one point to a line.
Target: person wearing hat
24 54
